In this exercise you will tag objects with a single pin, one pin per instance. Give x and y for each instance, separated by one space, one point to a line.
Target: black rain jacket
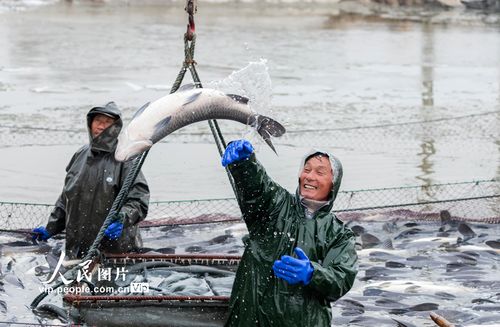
92 183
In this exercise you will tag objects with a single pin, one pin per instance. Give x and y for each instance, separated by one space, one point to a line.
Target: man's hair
317 155
104 114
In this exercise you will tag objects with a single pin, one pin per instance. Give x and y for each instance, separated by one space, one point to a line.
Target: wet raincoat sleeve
57 218
257 192
335 276
137 203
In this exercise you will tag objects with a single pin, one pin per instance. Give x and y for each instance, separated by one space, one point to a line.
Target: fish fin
466 231
273 127
238 98
141 110
267 138
186 87
268 127
191 98
369 240
158 134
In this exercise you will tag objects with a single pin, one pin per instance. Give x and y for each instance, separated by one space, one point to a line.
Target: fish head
128 148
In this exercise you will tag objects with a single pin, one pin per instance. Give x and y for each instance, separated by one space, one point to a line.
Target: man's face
100 123
315 180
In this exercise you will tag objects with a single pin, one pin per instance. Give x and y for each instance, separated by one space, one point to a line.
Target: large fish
188 105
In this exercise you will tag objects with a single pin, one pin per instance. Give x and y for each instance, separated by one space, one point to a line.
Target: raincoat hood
336 176
107 140
93 181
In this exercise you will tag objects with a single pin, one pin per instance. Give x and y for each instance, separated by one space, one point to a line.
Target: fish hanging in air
188 105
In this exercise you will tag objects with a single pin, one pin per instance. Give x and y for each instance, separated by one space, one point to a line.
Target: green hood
336 176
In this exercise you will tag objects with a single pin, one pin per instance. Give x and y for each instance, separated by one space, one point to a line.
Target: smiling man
298 256
316 181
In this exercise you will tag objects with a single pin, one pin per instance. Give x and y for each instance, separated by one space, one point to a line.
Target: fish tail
268 127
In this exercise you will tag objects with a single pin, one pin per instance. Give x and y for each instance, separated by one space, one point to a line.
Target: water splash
252 81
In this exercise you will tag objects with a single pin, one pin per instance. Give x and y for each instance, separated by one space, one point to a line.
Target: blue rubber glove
237 151
41 234
294 270
114 230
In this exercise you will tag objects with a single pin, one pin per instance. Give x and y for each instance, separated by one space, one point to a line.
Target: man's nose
310 177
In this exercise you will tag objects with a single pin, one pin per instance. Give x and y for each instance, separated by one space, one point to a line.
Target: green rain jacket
277 223
92 183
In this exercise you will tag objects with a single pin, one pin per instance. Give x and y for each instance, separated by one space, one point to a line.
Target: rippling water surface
57 61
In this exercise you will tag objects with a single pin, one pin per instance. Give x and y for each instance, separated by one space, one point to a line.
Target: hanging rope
113 215
189 63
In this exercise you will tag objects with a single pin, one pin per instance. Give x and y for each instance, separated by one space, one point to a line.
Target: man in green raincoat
298 256
92 183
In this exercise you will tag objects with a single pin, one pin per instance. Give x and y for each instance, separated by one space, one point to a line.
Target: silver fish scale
192 114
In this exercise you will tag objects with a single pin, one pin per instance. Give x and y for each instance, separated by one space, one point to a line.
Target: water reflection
427 65
495 204
427 151
427 146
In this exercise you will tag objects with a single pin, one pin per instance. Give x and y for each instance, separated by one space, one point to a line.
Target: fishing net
482 126
471 201
475 200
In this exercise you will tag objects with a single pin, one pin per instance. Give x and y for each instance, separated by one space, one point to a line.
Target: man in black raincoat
92 183
273 287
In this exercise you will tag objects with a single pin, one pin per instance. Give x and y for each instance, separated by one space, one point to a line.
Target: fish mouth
127 149
132 150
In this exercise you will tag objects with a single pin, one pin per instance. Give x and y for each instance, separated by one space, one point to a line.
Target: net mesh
483 126
477 200
471 201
